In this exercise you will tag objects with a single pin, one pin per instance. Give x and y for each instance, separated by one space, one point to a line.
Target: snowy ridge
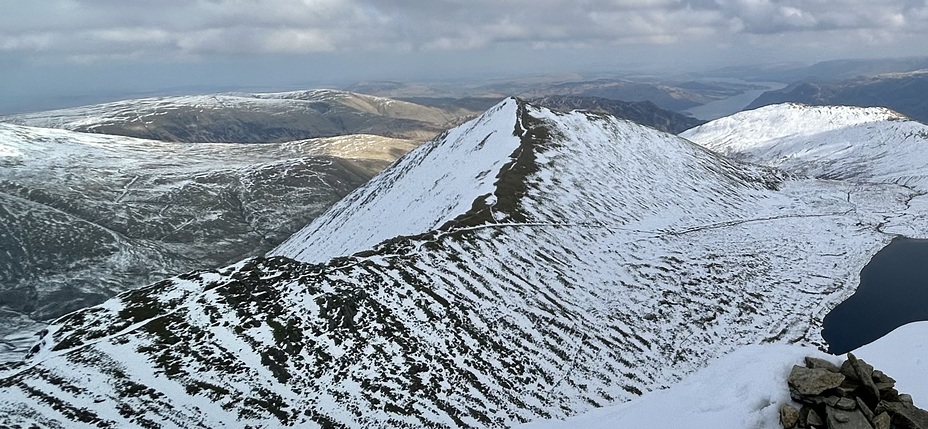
432 185
445 179
743 389
765 124
603 261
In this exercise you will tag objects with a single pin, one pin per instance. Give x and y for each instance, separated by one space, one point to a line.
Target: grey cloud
779 16
179 29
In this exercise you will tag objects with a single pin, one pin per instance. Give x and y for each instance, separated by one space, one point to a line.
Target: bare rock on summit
814 419
842 419
812 381
861 371
904 415
882 421
789 416
864 408
854 397
847 404
816 363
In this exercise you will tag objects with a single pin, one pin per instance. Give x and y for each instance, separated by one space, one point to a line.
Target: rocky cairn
852 396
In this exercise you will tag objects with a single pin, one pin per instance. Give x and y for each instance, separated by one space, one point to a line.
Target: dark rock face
852 396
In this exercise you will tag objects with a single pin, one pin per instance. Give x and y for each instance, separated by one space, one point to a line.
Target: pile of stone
852 396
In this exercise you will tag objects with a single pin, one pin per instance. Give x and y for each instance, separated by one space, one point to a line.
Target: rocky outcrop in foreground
852 396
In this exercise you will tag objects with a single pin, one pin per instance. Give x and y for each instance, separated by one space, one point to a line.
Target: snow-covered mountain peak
871 144
757 127
434 184
522 164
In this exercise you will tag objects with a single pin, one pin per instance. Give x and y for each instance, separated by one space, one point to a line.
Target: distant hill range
252 118
824 71
902 92
641 112
676 95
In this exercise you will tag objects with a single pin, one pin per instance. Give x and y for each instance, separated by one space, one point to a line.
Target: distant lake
893 291
730 105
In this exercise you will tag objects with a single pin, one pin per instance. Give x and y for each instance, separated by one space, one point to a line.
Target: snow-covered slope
853 144
746 388
602 260
251 118
837 142
433 185
85 216
442 181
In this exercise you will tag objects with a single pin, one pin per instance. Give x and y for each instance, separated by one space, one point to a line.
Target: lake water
728 106
893 291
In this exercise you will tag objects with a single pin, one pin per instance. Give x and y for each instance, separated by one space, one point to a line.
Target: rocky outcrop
852 396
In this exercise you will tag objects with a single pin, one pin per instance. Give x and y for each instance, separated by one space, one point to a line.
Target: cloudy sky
71 48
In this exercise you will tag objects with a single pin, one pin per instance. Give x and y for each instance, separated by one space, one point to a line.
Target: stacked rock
852 396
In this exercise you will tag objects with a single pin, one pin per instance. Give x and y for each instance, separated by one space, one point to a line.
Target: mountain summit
528 264
847 143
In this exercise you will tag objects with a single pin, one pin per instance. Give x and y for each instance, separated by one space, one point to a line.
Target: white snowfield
601 260
745 388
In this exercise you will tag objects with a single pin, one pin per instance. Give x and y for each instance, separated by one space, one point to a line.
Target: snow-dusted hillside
251 118
601 261
853 144
85 216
